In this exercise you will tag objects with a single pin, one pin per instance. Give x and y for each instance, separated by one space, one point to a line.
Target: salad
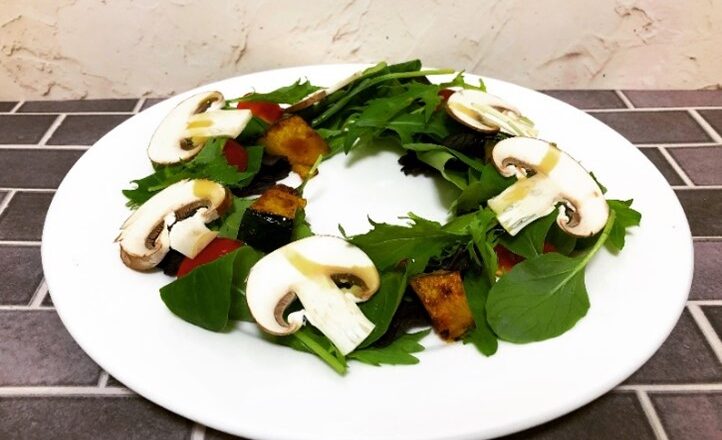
509 264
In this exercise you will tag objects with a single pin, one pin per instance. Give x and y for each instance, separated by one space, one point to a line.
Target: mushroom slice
145 237
183 132
309 269
555 178
487 113
320 94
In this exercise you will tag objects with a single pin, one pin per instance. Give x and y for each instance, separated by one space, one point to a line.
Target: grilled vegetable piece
295 140
442 294
268 223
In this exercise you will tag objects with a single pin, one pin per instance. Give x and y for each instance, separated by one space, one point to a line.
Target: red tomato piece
215 249
506 258
548 247
270 112
235 154
445 93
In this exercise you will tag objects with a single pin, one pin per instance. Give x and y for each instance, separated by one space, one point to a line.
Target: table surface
49 388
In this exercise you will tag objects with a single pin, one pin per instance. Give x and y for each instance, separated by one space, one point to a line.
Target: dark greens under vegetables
539 298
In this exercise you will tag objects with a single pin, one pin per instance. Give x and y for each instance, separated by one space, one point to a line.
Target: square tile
587 99
704 210
703 165
36 349
684 357
6 106
674 98
24 216
707 281
89 418
150 102
84 129
612 416
212 434
22 273
24 129
695 416
714 117
662 164
35 168
714 315
79 105
642 127
48 300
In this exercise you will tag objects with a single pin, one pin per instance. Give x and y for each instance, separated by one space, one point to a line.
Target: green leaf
529 242
245 259
459 81
626 217
229 226
310 340
477 290
203 296
301 228
489 184
484 241
396 353
562 242
284 95
381 308
542 297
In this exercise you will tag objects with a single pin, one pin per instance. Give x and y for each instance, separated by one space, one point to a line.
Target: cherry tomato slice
215 249
270 112
506 258
235 154
445 93
548 247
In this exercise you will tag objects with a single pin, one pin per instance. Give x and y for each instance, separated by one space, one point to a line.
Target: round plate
238 383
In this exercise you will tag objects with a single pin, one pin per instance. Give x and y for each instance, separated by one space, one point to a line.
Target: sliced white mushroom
555 178
488 113
320 94
184 131
145 237
309 269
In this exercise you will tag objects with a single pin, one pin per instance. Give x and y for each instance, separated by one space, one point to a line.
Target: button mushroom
309 269
487 113
320 94
173 218
183 132
555 178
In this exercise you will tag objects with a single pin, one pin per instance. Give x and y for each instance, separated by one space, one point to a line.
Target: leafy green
482 235
284 95
562 242
381 308
542 297
396 353
301 228
232 222
310 340
529 242
245 259
480 189
626 217
477 288
459 81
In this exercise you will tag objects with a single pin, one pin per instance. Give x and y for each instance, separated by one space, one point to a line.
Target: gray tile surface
21 274
690 416
707 281
6 106
714 117
684 357
674 98
212 434
614 416
641 127
24 129
662 164
149 102
35 168
24 217
35 349
703 165
84 129
588 99
79 105
704 210
89 418
714 315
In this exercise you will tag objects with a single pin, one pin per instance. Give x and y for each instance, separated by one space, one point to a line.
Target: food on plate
507 265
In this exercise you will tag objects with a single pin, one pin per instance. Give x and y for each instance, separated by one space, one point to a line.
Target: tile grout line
696 187
35 147
51 130
34 190
138 105
650 109
705 302
673 388
678 169
39 296
707 330
652 416
80 391
17 106
680 145
103 379
6 201
90 113
19 243
198 432
24 308
705 125
707 238
624 98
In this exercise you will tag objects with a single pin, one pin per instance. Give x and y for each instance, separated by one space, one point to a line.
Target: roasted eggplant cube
268 223
442 294
295 140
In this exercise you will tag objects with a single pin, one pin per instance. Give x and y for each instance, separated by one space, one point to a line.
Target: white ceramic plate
237 383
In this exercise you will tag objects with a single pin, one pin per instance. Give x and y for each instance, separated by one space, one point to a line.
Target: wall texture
94 48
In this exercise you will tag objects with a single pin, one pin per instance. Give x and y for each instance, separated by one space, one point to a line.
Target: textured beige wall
116 48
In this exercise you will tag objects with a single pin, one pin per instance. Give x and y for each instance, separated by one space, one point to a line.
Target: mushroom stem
528 199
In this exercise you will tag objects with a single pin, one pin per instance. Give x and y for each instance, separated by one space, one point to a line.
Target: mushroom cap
273 279
320 94
587 210
166 145
144 237
463 104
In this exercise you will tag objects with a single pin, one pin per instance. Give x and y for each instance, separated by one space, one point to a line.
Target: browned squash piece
442 294
295 140
279 200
